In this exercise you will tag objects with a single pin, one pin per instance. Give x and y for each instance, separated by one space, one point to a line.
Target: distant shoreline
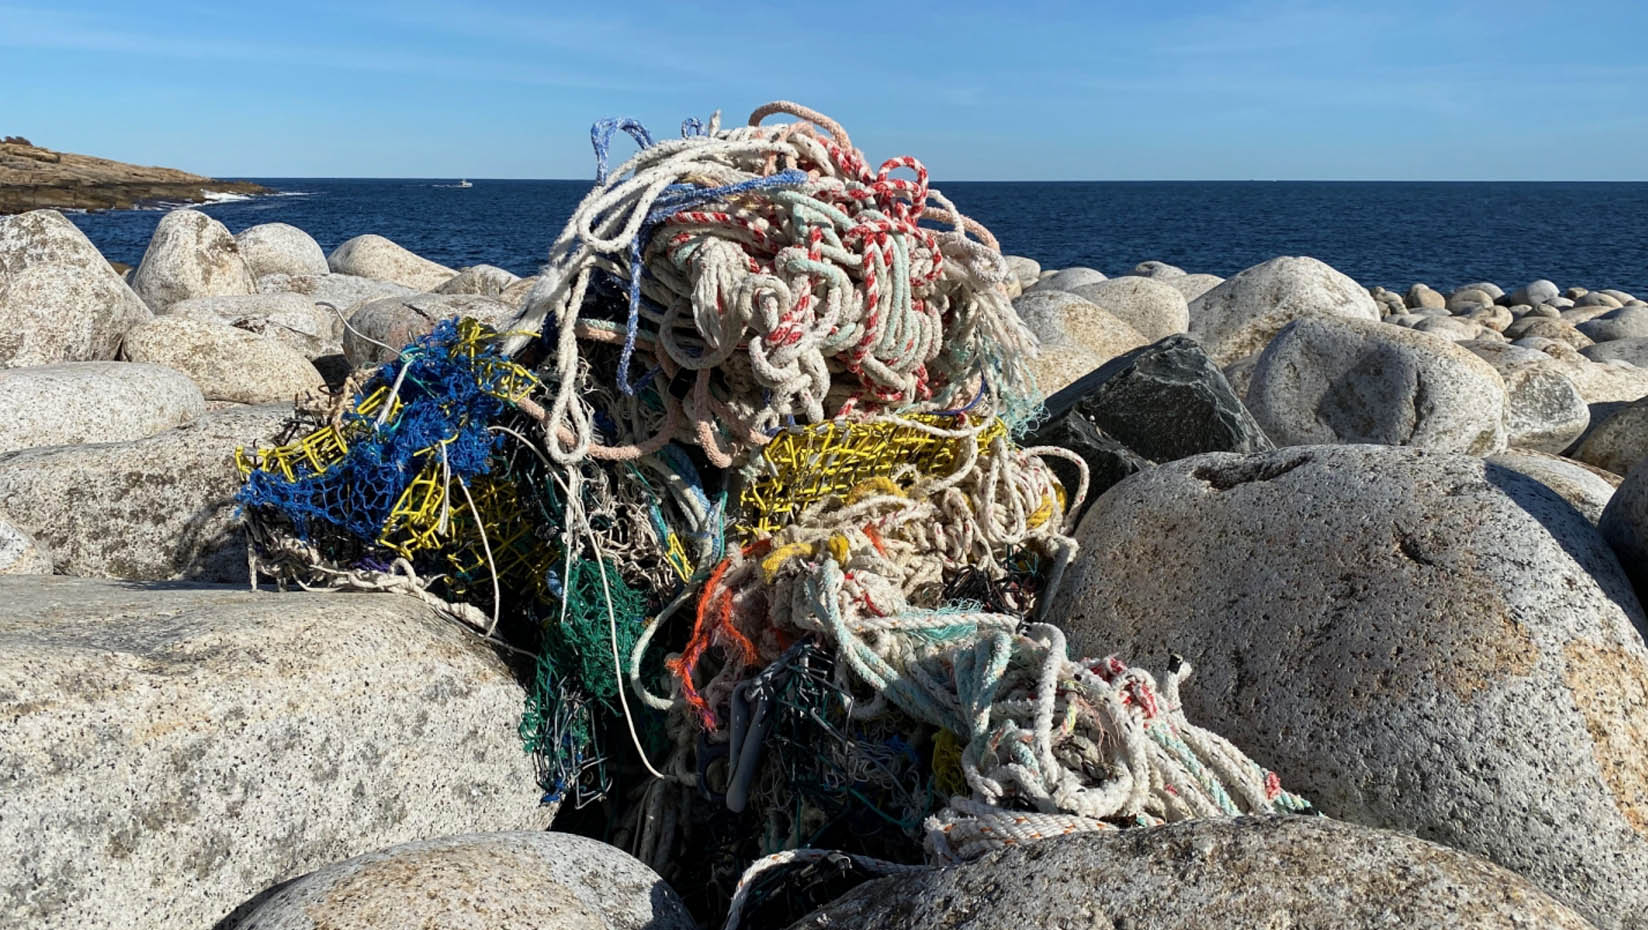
36 178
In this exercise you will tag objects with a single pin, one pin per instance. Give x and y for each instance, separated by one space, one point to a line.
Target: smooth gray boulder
340 292
1156 269
1413 640
280 248
151 509
21 553
1193 286
1240 316
1493 317
1065 279
1390 303
1579 315
398 321
1059 364
378 258
1468 298
1585 487
1493 290
1619 442
293 320
190 255
76 402
1061 318
1624 524
226 362
534 881
1631 351
1451 328
171 750
1606 382
1332 379
485 280
1622 323
1149 306
1598 299
1241 874
1423 295
1544 409
1535 293
60 301
1547 327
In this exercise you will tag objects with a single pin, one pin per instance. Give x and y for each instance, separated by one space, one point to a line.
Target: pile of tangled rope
739 490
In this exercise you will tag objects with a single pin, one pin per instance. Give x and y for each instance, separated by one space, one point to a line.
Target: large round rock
1193 286
76 402
1544 409
1243 874
190 255
280 248
1625 525
170 751
1155 309
381 259
378 330
1333 379
227 362
485 280
1413 640
1065 279
1056 317
291 319
531 881
340 292
1585 487
1239 317
1619 442
60 301
155 508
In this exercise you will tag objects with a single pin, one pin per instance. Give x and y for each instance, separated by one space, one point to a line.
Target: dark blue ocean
1593 235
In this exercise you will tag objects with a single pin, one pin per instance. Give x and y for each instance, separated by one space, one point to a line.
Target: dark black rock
1165 401
334 369
1108 461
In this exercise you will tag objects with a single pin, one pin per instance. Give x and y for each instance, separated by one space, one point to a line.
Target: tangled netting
740 491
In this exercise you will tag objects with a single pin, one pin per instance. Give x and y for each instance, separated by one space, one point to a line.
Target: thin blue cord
600 135
984 385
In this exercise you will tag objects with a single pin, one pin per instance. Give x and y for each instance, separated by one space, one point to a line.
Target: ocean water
1445 234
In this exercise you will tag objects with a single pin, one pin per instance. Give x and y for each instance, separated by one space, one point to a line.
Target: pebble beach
1392 544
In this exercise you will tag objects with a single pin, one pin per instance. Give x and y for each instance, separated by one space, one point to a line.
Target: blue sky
1395 90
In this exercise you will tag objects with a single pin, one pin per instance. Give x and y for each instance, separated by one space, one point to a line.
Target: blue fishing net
449 392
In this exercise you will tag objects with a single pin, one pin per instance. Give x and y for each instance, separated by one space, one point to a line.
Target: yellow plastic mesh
806 464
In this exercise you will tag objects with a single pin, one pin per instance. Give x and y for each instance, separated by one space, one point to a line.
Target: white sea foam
223 196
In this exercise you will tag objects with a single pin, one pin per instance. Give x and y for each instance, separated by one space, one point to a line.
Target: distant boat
465 183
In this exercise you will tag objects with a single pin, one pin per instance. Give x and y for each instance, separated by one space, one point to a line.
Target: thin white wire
575 505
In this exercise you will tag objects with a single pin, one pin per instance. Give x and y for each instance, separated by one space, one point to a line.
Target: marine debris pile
739 488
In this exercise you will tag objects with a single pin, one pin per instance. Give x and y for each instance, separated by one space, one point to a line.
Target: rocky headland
1402 537
34 178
